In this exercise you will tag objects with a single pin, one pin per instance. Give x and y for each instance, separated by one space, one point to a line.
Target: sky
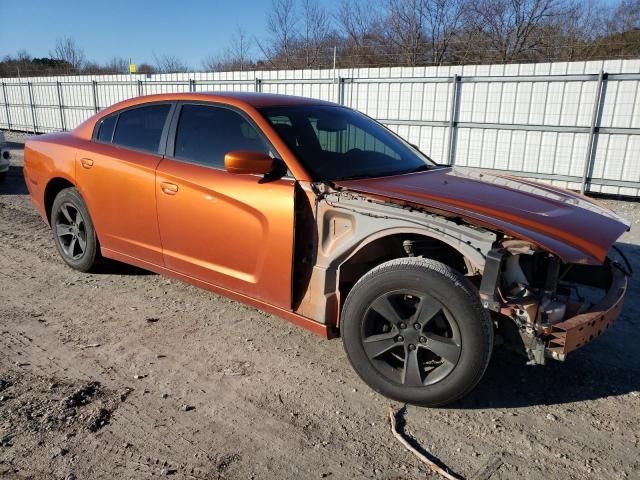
189 29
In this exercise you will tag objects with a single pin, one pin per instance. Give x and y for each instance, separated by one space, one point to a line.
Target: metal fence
576 125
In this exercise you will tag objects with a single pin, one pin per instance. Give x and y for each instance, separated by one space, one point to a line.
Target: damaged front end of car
536 254
546 308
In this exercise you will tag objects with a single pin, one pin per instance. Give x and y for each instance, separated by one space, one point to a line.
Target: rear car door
117 179
233 231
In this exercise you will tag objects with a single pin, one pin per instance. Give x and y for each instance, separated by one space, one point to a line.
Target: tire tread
458 281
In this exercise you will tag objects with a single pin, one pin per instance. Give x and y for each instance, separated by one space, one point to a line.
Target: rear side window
141 127
205 134
105 129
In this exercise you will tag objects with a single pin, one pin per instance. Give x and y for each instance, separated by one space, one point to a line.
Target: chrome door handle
86 162
169 188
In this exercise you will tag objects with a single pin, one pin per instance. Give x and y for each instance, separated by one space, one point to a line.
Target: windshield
336 143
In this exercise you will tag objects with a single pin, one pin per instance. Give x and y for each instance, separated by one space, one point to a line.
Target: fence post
341 84
192 85
453 121
258 85
95 95
593 130
61 107
139 88
33 108
6 104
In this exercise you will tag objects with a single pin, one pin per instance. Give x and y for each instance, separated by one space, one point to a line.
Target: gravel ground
126 374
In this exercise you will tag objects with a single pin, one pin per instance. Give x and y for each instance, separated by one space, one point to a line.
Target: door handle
169 188
86 162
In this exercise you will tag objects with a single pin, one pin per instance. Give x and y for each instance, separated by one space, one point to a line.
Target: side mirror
248 163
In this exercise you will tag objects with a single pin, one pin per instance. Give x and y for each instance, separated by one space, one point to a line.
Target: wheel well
397 246
54 187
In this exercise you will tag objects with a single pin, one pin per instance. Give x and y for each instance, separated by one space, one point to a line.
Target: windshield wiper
421 168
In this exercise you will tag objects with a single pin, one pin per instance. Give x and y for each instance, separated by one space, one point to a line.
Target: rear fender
46 159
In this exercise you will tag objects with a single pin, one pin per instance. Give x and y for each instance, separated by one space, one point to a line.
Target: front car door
117 179
232 231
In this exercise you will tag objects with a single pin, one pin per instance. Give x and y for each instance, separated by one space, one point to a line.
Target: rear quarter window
141 127
105 128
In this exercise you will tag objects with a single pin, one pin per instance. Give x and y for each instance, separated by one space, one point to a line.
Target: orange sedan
318 214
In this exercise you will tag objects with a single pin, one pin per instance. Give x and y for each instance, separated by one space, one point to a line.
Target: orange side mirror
248 163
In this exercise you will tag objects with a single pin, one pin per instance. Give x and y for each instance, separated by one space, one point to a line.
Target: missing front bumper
575 332
529 328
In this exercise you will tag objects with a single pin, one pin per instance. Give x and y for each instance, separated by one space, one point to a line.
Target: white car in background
5 155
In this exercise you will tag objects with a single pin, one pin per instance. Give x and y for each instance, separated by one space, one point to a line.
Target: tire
415 331
73 230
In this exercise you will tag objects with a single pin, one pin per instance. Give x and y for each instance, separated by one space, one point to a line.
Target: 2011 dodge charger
318 214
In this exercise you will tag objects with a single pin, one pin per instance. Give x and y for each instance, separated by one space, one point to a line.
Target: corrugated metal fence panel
530 119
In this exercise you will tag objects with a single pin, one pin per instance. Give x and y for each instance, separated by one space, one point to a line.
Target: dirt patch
48 415
269 400
32 404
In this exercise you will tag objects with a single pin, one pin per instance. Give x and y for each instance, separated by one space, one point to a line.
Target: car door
233 231
117 179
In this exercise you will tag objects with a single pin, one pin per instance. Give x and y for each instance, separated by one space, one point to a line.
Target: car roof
253 99
258 99
244 100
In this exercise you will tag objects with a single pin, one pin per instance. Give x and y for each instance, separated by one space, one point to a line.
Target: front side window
141 127
336 143
206 133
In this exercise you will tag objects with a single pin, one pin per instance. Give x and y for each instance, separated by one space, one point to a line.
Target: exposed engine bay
545 307
542 307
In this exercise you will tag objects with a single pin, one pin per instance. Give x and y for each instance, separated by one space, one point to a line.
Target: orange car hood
567 224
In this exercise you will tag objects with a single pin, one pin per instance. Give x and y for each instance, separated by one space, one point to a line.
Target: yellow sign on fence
132 68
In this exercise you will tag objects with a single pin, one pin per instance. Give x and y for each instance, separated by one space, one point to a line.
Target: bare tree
510 27
236 57
145 68
573 34
361 26
282 28
117 65
443 21
406 22
625 17
315 31
169 64
23 56
68 51
214 63
240 48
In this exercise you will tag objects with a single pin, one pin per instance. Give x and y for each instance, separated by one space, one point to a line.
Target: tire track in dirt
134 418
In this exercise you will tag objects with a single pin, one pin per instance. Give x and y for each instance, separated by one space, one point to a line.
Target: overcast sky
189 29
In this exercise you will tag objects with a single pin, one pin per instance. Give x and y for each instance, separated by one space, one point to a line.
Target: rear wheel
73 230
415 331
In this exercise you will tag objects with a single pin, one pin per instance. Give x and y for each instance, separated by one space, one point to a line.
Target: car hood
567 224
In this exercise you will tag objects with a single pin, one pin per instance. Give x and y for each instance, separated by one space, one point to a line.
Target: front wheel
415 331
73 230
